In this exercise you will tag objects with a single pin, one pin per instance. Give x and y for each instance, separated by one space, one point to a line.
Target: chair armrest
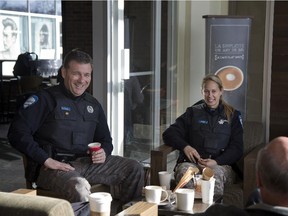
28 205
249 181
159 161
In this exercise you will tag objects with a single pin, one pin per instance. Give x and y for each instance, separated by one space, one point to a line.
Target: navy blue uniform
208 131
53 123
67 125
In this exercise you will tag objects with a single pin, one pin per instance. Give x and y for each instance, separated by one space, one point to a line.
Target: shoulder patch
31 100
240 119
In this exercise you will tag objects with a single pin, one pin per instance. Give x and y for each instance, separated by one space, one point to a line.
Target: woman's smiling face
212 93
77 77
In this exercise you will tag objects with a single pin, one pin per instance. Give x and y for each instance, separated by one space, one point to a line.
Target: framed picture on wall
43 37
13 36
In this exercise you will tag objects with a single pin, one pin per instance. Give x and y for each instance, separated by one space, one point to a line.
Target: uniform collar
212 111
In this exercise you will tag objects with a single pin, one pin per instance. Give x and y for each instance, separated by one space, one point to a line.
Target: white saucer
163 203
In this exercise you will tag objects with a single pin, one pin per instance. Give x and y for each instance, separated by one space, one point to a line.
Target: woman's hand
98 156
191 154
207 163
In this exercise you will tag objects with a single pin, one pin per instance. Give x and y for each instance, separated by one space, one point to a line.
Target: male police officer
53 128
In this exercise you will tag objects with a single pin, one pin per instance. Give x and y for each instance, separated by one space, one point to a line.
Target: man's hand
191 154
98 156
56 165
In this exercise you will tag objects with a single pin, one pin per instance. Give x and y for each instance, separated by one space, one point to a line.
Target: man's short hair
78 56
273 175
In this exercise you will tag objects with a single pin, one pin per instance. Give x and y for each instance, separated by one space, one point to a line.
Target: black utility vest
70 127
209 133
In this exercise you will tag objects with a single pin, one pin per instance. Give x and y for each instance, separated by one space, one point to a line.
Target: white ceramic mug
207 190
153 194
185 199
165 179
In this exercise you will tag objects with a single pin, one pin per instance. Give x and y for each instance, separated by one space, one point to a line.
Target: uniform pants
75 185
222 174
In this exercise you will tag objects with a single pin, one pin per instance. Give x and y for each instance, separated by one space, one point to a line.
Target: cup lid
100 196
185 190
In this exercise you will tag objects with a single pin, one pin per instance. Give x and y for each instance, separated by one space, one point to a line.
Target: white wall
191 47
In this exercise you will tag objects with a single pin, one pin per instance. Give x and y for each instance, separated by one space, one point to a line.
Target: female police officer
208 134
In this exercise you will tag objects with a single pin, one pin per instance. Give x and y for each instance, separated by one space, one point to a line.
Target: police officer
208 134
53 129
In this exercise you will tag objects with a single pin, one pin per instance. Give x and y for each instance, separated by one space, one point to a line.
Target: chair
40 191
237 193
29 83
12 204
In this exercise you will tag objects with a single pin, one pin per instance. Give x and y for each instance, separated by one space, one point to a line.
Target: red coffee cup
93 147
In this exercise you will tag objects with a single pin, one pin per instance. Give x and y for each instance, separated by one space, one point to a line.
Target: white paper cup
207 190
153 194
100 204
207 173
165 179
185 199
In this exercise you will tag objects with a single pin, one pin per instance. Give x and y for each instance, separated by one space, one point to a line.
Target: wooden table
140 209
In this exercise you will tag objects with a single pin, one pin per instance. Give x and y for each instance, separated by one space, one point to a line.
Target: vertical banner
227 44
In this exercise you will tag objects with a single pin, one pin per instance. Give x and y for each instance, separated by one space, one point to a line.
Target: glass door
140 96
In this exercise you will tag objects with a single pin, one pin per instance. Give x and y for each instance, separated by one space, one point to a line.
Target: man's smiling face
77 77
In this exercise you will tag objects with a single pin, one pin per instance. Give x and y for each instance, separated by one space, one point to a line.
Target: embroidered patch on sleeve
240 119
31 100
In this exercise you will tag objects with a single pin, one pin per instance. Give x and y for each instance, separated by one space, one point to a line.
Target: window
30 25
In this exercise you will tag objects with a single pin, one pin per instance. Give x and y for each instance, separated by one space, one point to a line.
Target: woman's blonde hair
228 109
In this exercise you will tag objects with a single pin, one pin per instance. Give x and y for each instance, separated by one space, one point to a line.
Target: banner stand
227 45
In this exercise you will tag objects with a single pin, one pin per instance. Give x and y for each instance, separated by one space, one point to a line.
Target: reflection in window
58 7
12 29
43 34
60 30
14 5
22 30
42 6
